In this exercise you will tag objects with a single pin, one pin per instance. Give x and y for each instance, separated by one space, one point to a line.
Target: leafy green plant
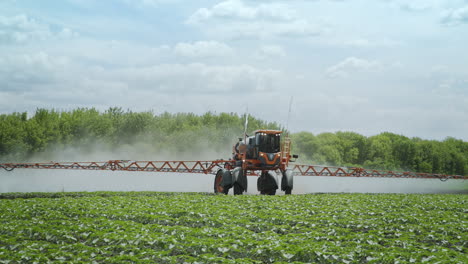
148 227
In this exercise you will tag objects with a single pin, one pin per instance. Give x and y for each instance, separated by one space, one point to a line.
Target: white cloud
424 5
238 10
455 16
22 29
413 5
296 28
264 30
155 2
448 81
202 49
27 72
148 3
236 19
351 65
198 78
132 54
368 43
22 72
452 86
270 52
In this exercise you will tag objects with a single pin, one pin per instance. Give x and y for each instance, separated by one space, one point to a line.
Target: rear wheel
287 181
266 183
218 188
268 192
238 189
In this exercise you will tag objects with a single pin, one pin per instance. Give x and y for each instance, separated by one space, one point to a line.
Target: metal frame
212 166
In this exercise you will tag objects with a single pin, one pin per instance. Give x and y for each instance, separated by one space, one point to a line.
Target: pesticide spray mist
44 180
73 181
29 180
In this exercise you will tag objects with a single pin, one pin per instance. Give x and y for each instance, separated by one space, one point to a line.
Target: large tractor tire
218 187
239 181
268 192
267 183
238 190
287 182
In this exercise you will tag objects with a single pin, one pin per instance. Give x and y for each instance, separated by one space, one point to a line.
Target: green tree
21 137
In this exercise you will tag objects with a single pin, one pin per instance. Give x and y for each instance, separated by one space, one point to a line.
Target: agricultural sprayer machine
264 155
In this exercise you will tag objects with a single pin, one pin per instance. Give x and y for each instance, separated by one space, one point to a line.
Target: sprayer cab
262 151
264 154
265 148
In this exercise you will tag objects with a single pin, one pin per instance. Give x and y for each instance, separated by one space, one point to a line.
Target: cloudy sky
354 65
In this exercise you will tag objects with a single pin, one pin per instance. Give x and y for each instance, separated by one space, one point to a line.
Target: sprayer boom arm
212 166
125 165
310 170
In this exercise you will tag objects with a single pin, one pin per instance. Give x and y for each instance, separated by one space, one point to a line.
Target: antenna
246 123
289 113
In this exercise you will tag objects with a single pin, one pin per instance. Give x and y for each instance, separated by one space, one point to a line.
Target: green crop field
145 227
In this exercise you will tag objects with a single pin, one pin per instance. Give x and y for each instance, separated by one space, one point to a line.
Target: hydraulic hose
7 168
444 178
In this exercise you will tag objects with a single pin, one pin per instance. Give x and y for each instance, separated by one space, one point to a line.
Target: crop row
178 228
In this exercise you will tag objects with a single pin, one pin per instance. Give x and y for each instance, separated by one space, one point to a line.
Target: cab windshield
268 143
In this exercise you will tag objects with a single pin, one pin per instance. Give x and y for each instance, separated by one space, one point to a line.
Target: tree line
387 151
23 137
